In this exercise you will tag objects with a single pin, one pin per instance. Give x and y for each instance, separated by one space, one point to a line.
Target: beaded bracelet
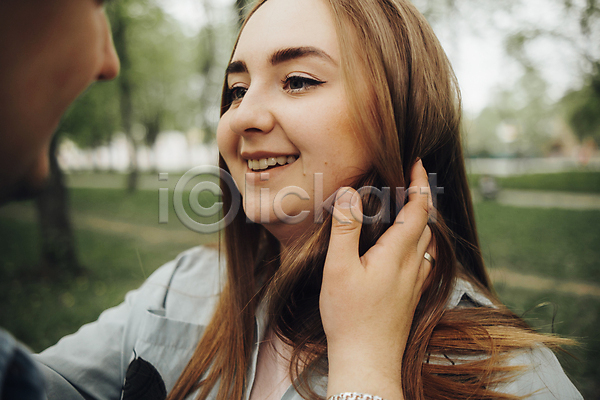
354 396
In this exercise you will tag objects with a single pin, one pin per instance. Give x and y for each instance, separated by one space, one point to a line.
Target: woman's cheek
227 141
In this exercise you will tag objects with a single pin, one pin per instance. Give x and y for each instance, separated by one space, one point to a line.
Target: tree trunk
119 26
58 255
132 179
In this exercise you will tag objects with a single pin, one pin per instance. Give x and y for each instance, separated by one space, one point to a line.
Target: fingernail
355 200
344 198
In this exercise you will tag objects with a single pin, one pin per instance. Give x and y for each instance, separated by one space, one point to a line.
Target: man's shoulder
19 377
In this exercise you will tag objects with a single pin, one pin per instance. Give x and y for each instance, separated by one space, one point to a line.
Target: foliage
582 109
164 72
518 121
579 30
93 118
162 64
575 34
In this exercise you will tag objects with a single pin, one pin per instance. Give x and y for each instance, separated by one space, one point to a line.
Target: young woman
383 295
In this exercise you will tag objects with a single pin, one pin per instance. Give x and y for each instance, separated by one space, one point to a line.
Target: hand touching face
367 303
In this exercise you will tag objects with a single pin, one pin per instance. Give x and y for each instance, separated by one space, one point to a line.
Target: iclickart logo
201 183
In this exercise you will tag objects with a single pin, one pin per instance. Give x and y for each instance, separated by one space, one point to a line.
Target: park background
530 74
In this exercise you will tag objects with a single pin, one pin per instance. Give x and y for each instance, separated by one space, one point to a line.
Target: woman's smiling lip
262 161
257 155
261 177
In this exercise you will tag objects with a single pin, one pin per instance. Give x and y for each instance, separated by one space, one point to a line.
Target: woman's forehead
281 24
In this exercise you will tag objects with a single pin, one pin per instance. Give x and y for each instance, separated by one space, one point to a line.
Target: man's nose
110 60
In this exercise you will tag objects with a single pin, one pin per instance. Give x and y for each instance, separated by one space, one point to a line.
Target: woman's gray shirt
162 321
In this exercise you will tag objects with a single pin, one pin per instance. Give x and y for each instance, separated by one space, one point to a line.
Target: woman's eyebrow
291 53
236 67
281 56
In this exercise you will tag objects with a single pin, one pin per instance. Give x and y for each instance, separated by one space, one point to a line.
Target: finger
432 217
420 183
424 241
422 270
412 219
345 227
431 249
427 265
419 192
417 208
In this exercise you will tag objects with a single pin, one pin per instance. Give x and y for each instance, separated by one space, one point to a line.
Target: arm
91 363
19 377
89 360
368 303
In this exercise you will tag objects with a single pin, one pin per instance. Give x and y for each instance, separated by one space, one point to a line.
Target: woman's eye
296 84
237 93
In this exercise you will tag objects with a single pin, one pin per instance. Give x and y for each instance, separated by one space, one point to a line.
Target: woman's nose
109 69
253 114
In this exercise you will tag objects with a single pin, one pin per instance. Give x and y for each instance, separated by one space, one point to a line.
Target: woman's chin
287 231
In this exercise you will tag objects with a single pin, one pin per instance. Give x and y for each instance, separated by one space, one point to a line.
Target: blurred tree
121 25
163 62
58 256
94 117
518 122
158 71
582 108
579 29
535 113
90 122
153 90
210 72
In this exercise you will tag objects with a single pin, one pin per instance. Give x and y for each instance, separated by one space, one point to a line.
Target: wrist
354 396
384 361
364 376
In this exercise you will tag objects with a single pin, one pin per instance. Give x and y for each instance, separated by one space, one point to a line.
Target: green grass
555 243
577 318
575 182
560 244
140 207
39 312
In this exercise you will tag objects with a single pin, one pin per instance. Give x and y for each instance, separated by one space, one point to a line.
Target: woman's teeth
264 163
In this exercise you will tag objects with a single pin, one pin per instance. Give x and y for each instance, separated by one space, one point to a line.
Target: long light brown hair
405 104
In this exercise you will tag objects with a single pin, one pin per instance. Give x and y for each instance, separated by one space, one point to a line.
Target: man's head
51 51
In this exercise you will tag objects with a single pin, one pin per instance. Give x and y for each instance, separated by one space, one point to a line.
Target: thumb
346 225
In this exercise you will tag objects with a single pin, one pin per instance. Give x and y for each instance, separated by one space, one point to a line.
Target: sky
475 46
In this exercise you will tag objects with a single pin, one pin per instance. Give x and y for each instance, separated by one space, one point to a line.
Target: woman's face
287 137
